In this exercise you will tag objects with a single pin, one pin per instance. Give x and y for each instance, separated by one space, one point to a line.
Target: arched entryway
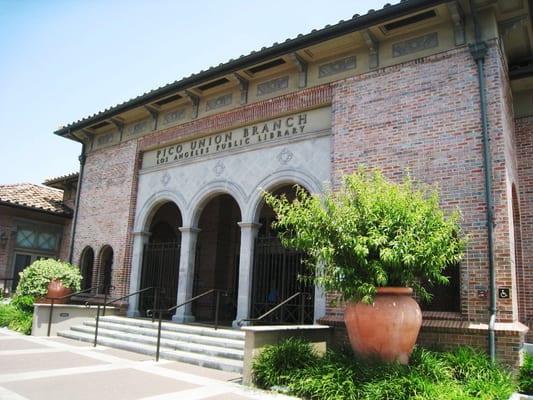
86 267
277 272
106 269
161 257
217 258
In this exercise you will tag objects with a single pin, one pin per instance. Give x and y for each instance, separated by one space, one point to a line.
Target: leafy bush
34 279
463 374
18 315
275 364
370 234
525 378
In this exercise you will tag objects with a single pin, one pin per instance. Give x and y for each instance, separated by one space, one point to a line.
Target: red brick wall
104 208
423 117
524 139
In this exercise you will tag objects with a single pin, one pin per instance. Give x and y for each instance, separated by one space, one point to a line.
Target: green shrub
34 279
276 363
17 316
463 374
371 233
23 303
525 377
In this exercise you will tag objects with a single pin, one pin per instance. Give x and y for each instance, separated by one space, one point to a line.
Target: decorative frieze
218 102
105 139
273 86
415 45
173 116
337 66
138 128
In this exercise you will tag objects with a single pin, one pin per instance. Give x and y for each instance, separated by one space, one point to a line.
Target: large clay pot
57 290
388 328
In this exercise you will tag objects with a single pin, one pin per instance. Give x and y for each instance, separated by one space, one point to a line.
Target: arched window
86 267
106 267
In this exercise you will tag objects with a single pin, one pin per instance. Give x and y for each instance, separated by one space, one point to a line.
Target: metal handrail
106 303
161 311
302 305
53 299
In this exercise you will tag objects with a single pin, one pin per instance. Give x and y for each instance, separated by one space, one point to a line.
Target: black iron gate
276 273
160 269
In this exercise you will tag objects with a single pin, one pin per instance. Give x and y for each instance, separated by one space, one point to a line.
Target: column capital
249 225
189 229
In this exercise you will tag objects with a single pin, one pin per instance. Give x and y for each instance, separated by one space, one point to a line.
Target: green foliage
34 279
463 374
525 378
275 364
372 233
18 314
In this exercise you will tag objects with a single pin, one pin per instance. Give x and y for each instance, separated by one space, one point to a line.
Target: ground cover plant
525 377
462 374
17 315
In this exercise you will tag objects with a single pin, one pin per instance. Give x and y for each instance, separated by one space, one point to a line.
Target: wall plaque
415 45
281 129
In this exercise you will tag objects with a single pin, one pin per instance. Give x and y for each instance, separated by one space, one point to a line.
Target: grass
462 374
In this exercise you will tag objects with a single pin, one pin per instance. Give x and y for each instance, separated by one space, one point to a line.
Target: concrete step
203 360
174 327
167 334
166 344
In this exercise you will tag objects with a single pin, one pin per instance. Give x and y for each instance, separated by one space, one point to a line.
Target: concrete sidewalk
38 368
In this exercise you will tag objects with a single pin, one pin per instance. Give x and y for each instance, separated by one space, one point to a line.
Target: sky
62 60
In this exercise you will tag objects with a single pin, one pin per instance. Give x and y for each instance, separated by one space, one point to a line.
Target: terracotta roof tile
37 197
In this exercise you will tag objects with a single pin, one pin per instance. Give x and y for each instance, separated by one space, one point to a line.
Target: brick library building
170 182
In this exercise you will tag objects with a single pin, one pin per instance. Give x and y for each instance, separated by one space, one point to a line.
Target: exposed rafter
154 113
243 87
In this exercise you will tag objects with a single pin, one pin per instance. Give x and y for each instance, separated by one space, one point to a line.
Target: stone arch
87 267
152 204
275 181
210 191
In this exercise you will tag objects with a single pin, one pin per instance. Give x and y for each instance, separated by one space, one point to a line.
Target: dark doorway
86 266
278 273
106 268
161 259
217 259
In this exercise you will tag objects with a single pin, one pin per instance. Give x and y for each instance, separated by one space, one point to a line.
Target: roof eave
342 28
41 210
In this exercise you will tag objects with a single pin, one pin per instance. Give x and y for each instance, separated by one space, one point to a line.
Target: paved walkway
37 368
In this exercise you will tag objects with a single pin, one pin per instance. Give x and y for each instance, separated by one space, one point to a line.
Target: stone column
189 236
139 240
248 234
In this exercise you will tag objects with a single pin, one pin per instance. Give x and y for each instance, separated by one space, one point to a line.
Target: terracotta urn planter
388 328
57 290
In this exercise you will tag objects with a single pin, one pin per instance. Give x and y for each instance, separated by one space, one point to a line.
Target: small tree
371 233
34 279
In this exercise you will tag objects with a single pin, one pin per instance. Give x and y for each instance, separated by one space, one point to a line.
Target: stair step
202 360
166 334
166 344
174 327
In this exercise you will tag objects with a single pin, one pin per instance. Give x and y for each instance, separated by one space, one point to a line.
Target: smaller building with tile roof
35 222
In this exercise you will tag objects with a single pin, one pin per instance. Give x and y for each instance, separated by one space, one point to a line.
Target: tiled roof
61 180
291 44
36 197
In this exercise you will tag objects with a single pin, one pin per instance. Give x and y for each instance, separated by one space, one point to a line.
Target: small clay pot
388 328
56 290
